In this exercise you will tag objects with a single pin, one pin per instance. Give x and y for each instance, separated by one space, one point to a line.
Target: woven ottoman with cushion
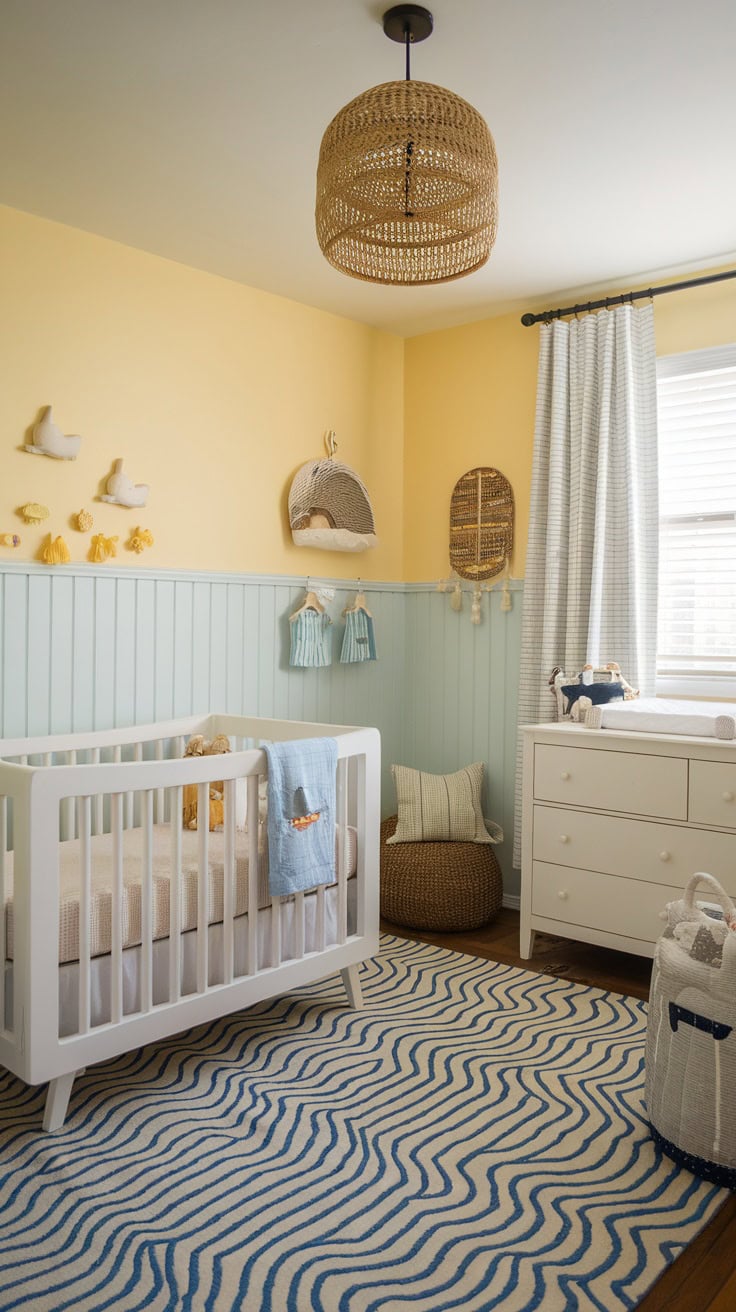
438 867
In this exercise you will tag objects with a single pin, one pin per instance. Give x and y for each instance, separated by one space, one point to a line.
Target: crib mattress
101 848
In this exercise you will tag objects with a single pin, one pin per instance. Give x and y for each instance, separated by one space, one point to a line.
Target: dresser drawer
612 781
587 898
632 849
713 793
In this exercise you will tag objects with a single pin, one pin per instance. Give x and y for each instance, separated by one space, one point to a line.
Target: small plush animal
198 745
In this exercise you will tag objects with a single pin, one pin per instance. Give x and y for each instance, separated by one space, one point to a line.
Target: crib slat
299 926
175 897
275 931
84 827
130 797
321 919
147 904
67 806
3 852
203 879
252 874
160 795
342 850
116 954
228 884
99 799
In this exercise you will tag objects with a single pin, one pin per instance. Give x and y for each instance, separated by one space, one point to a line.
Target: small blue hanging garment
310 638
359 642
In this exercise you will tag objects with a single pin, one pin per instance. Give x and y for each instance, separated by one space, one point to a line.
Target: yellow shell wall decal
55 551
34 513
101 548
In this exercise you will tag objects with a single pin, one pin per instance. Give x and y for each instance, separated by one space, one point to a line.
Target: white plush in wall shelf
329 506
48 439
122 491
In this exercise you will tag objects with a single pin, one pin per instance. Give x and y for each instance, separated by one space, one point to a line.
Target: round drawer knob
565 774
563 895
564 838
664 856
728 797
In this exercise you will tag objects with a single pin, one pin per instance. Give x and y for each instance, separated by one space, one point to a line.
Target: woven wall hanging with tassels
329 506
481 524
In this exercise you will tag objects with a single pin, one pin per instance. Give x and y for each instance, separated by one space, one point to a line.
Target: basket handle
720 893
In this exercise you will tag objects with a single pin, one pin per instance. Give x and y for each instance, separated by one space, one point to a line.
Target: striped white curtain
590 592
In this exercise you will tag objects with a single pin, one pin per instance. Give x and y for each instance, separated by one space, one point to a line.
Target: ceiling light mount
407 178
405 23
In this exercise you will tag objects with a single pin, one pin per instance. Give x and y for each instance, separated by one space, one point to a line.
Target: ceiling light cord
408 211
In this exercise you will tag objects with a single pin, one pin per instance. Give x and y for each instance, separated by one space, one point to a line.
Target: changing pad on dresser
665 715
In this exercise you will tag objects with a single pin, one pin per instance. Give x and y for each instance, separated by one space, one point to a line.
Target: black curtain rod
624 299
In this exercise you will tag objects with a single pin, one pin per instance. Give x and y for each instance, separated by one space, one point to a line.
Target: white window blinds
697 507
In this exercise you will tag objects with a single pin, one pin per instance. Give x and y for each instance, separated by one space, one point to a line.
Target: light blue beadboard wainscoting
84 646
461 696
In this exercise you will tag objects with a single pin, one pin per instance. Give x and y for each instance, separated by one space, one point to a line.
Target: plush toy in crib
199 746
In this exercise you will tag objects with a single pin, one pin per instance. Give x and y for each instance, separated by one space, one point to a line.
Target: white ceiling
191 128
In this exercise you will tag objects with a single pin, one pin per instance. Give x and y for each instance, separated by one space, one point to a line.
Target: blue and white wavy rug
473 1139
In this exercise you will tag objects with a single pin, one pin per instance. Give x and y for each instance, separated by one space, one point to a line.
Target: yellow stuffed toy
199 746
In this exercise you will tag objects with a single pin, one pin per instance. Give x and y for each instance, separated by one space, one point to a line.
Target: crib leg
57 1100
351 980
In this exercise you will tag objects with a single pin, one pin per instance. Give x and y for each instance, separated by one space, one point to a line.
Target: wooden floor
703 1279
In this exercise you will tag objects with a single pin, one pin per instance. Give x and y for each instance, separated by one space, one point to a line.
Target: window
696 648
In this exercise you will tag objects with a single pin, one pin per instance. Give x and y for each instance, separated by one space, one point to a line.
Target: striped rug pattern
473 1139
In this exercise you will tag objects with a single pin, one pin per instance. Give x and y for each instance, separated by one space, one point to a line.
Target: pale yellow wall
213 393
470 397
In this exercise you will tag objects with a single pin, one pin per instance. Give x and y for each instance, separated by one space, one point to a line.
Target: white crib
153 950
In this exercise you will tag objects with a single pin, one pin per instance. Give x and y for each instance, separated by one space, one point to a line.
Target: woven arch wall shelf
329 506
481 524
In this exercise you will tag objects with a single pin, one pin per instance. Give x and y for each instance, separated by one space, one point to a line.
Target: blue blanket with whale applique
301 814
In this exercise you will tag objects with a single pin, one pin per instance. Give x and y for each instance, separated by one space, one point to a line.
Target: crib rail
211 955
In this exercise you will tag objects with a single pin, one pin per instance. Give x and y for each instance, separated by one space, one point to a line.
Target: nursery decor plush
593 686
122 491
48 439
200 746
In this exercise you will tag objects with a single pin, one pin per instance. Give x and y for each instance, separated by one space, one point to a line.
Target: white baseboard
512 900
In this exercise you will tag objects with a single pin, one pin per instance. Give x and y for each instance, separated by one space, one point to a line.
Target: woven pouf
445 886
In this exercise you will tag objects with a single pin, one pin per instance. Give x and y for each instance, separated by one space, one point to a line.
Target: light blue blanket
301 814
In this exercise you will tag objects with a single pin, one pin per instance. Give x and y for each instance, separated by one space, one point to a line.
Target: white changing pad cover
665 715
102 877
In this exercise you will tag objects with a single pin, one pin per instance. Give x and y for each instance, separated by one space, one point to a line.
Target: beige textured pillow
440 807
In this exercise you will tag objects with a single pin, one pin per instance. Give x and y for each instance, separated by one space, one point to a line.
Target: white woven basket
691 1036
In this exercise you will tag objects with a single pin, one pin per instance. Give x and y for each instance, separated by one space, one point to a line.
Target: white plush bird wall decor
122 491
48 439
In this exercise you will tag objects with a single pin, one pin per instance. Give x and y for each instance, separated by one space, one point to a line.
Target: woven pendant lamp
407 180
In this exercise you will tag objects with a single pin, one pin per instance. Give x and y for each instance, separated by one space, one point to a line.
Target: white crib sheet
100 966
101 846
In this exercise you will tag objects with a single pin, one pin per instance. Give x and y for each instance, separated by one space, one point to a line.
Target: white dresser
614 825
